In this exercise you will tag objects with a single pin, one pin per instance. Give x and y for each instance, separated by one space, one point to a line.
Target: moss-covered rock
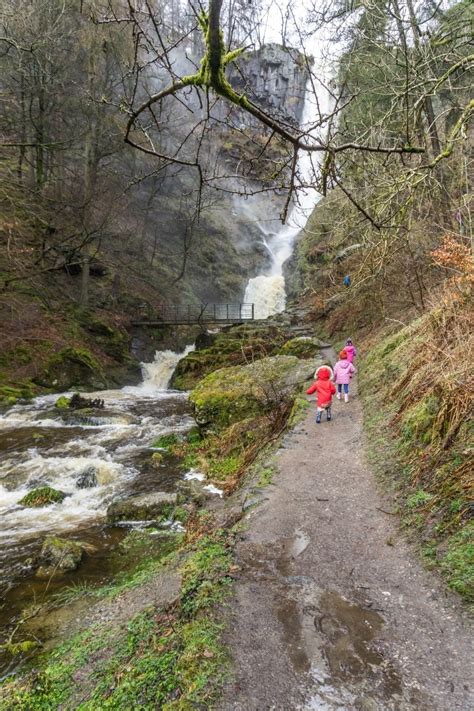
58 555
10 394
233 346
302 347
146 507
72 367
43 496
191 491
62 402
232 394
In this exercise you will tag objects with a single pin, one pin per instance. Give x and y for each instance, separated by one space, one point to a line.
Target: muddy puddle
336 644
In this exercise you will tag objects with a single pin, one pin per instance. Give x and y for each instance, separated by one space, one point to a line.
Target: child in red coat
325 389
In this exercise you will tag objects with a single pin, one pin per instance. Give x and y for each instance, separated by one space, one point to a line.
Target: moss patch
43 496
237 345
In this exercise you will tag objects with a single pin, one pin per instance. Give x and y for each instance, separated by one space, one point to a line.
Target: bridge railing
170 313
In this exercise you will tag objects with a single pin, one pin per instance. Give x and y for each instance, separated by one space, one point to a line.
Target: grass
419 429
168 659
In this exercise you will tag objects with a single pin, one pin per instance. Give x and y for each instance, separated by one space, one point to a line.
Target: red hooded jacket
324 387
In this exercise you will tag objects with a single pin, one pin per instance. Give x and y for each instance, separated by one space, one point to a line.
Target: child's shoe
346 397
338 396
318 418
328 414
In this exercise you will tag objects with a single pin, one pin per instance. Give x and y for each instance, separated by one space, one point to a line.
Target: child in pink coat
343 371
350 350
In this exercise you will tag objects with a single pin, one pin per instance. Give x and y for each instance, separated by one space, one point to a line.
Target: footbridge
203 314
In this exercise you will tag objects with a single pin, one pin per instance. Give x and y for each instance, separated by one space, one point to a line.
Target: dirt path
332 609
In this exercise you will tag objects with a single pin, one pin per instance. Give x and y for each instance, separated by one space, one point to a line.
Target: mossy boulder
62 403
302 347
233 346
191 491
9 394
111 339
43 496
145 507
72 367
58 556
232 394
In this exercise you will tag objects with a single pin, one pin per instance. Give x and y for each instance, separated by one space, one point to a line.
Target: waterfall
157 374
267 290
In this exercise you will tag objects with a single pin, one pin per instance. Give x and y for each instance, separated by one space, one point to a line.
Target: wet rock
87 479
97 416
276 79
72 367
42 496
58 556
191 491
229 517
364 703
142 508
78 402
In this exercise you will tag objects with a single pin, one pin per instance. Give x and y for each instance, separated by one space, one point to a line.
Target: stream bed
41 445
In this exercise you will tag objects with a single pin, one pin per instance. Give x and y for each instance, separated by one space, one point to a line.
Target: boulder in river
42 496
144 507
97 416
58 555
87 479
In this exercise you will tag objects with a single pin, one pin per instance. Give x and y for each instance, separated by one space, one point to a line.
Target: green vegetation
163 658
43 496
166 441
10 394
420 435
458 562
237 345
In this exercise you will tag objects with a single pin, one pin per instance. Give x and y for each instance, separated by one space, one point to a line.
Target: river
41 445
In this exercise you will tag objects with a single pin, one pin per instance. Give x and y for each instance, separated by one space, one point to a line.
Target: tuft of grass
458 562
166 441
419 498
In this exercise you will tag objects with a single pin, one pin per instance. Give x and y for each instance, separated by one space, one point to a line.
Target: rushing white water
157 374
44 447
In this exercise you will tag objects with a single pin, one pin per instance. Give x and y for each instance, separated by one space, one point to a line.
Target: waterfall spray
267 290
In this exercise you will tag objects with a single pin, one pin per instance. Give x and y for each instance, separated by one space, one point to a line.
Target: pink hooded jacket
343 371
351 352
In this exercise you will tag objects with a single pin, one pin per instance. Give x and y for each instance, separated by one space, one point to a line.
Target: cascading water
43 446
267 291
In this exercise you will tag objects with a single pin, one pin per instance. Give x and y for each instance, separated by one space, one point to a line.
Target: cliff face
274 77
